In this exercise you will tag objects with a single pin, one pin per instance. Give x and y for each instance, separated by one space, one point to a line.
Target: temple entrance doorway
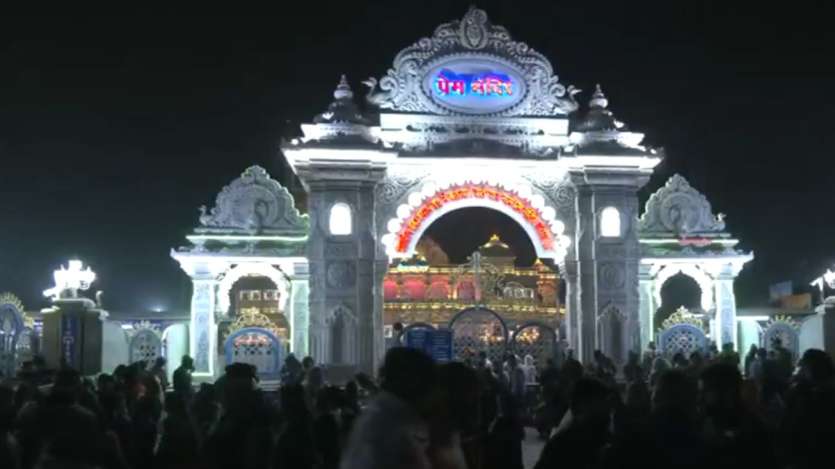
255 329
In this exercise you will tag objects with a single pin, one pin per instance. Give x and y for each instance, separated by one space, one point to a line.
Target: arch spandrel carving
679 209
254 203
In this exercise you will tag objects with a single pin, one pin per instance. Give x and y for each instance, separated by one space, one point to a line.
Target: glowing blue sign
449 83
474 85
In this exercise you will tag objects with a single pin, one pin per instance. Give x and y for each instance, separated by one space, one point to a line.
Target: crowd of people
694 411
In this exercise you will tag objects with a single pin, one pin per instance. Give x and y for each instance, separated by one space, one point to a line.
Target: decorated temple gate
253 231
679 234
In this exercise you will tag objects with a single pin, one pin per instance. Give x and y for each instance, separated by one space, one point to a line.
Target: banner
437 343
69 334
800 301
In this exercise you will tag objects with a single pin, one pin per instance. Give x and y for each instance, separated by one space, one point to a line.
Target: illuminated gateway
468 117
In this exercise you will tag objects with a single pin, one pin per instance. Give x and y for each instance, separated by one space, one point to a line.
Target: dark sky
113 130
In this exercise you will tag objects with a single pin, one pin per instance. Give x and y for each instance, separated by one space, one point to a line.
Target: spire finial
343 89
598 99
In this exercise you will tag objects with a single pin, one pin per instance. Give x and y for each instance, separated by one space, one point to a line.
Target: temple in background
428 289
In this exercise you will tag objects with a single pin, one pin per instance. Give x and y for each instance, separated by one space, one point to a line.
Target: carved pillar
368 288
569 272
319 334
343 272
725 311
647 306
587 285
380 270
301 315
203 333
607 265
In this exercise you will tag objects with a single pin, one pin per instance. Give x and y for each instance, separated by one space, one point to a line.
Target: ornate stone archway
506 142
253 229
680 234
438 195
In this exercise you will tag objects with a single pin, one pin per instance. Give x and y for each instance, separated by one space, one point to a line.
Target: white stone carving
612 276
706 283
341 274
431 187
679 209
611 309
254 203
70 279
401 89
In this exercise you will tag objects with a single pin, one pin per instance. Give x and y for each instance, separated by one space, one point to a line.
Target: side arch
244 269
705 282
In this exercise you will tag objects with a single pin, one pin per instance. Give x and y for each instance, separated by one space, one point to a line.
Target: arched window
610 222
340 219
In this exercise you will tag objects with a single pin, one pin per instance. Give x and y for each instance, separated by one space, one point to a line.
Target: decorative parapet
527 84
252 317
677 209
253 204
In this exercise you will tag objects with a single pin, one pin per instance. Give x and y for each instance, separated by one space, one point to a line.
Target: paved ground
531 447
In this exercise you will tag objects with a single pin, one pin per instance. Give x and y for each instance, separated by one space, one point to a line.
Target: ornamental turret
343 109
598 132
341 123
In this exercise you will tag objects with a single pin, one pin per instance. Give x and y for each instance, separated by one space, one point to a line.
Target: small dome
599 118
495 248
342 110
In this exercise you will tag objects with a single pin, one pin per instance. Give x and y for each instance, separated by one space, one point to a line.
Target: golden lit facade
263 302
421 291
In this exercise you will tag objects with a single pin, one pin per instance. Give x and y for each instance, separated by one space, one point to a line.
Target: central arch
518 201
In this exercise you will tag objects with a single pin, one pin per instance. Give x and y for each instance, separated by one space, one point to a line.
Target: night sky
113 130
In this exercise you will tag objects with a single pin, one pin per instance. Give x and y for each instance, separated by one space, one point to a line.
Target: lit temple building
417 291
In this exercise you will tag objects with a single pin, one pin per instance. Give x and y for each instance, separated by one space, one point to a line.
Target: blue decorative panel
258 347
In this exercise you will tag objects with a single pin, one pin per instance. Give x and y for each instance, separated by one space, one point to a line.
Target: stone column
343 272
318 334
647 307
301 315
367 286
607 266
587 284
203 330
572 311
725 311
380 269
